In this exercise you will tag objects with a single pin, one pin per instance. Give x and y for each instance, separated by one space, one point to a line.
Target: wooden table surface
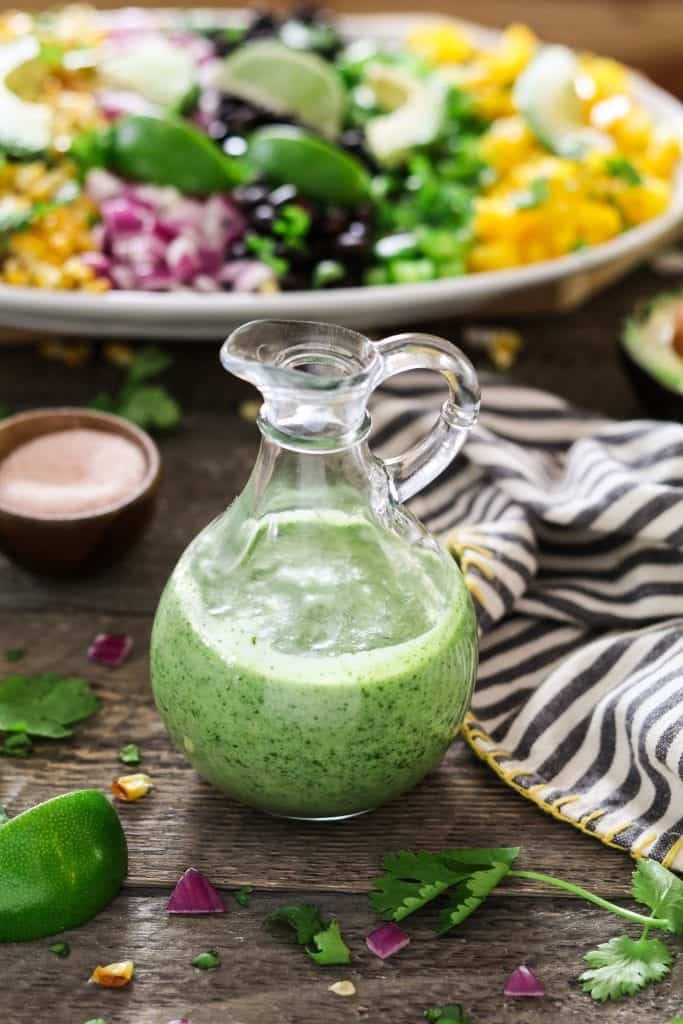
184 822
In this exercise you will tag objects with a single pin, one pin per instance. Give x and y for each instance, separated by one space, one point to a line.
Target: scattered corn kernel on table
184 822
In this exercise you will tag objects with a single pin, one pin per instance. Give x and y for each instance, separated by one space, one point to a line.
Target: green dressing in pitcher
315 649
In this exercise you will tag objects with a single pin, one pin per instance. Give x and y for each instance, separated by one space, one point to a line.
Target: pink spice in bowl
77 488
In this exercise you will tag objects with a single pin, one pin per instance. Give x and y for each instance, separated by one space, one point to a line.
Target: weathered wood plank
184 821
268 979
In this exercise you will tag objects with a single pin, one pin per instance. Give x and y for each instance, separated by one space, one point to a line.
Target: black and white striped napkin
569 529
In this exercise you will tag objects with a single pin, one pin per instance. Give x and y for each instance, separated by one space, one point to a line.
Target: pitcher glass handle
417 467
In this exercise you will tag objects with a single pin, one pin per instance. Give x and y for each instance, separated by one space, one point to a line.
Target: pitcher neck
325 424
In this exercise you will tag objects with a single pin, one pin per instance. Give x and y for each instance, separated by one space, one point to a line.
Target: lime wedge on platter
286 82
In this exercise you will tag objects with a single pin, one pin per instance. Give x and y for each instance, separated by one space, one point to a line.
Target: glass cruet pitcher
315 649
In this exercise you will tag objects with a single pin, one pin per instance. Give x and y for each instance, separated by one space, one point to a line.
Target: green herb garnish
323 940
620 167
207 961
61 949
130 754
623 966
15 653
465 878
413 879
45 705
149 406
96 1020
18 744
243 895
264 250
292 224
451 1014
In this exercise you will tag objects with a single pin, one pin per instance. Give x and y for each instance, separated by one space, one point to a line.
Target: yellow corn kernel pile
538 206
47 254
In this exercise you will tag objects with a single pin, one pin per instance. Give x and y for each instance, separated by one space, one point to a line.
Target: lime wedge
159 70
286 81
61 862
319 170
546 97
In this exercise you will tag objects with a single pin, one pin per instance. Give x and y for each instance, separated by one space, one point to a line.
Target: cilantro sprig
465 878
322 939
147 405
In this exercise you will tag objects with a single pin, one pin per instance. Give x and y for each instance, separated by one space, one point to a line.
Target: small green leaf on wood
624 966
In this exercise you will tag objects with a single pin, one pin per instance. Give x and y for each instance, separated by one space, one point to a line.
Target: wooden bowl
61 544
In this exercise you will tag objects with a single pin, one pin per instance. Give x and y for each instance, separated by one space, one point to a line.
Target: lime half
290 156
286 81
61 862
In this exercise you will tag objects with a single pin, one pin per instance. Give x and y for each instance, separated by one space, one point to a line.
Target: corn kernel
442 43
643 202
115 975
131 787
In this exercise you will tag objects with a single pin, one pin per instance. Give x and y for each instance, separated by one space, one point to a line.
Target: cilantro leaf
323 940
207 961
623 966
149 406
243 895
469 895
620 167
660 890
61 949
292 224
264 250
302 918
45 705
413 879
17 744
451 1014
15 653
328 948
410 881
130 754
148 362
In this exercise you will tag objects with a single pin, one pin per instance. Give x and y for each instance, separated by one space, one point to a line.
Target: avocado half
652 352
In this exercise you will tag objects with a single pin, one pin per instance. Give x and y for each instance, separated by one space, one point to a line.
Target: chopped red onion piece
523 983
205 283
101 185
110 649
181 1020
115 103
387 940
97 261
124 216
194 894
182 257
157 239
123 277
245 275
